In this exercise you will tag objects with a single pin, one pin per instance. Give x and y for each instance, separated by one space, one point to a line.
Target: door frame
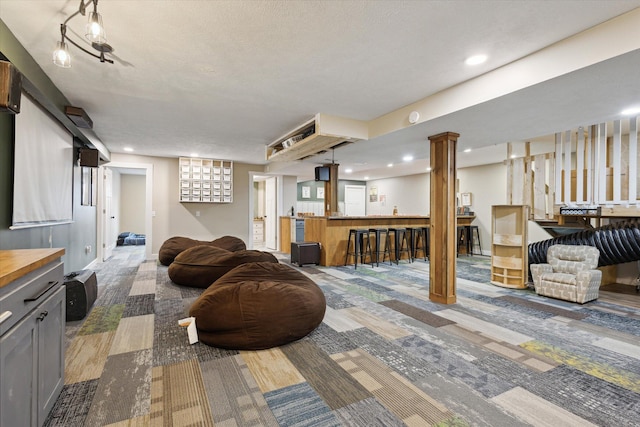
109 239
148 213
279 209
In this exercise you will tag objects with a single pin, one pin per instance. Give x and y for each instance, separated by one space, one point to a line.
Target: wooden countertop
380 217
400 217
19 262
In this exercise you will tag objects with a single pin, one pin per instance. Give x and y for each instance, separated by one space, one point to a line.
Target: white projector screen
43 169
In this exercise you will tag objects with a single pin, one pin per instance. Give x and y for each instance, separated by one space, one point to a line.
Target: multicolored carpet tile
385 355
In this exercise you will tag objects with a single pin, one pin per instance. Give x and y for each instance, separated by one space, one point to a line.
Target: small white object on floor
185 322
190 323
192 331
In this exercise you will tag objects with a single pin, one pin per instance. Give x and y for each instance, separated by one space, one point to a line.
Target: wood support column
331 191
442 270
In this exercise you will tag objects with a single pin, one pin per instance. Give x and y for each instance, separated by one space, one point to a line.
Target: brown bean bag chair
200 266
257 306
174 245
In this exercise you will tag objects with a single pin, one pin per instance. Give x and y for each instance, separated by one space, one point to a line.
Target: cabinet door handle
4 316
42 315
37 297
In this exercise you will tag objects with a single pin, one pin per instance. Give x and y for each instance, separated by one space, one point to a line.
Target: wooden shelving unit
205 180
509 246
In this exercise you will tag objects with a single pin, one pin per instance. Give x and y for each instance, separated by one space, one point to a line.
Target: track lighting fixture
94 33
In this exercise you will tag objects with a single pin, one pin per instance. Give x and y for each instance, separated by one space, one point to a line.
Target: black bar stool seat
421 242
401 243
381 234
463 236
474 236
427 238
361 246
412 234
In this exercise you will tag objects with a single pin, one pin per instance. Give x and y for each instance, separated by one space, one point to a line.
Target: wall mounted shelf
321 133
205 180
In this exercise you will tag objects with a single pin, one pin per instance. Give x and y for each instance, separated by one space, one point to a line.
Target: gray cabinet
18 367
50 351
32 346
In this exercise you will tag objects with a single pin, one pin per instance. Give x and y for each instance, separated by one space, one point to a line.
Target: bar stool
427 238
400 243
459 238
359 250
463 234
422 242
378 233
474 235
412 233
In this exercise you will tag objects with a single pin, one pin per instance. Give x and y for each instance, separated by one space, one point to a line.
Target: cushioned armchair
570 273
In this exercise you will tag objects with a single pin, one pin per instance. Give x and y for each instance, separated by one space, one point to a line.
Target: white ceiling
225 78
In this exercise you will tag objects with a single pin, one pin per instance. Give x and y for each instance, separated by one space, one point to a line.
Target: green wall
320 184
74 237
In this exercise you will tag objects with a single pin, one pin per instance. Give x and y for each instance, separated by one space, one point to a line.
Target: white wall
132 203
203 221
409 193
289 194
488 186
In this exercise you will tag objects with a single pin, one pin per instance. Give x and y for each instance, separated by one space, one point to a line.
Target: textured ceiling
225 78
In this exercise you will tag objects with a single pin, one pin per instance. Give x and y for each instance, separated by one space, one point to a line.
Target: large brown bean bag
174 245
200 266
257 306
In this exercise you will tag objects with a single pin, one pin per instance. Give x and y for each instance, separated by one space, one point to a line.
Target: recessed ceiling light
631 111
513 156
467 150
128 149
407 158
348 170
429 169
390 165
366 178
475 59
194 154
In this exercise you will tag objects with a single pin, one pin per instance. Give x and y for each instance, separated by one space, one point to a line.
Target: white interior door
109 238
270 220
355 199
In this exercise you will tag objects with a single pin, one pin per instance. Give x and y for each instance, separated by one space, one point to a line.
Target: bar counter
333 232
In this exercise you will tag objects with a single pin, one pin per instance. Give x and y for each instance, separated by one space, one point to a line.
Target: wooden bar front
333 232
285 234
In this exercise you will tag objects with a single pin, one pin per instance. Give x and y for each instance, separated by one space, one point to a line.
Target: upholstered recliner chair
570 273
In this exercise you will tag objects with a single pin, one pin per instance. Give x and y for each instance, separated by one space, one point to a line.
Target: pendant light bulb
61 55
95 30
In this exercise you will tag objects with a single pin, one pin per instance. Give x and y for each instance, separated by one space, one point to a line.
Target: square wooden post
442 271
331 190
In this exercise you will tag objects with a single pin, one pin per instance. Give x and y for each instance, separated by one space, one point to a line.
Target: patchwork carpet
384 356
